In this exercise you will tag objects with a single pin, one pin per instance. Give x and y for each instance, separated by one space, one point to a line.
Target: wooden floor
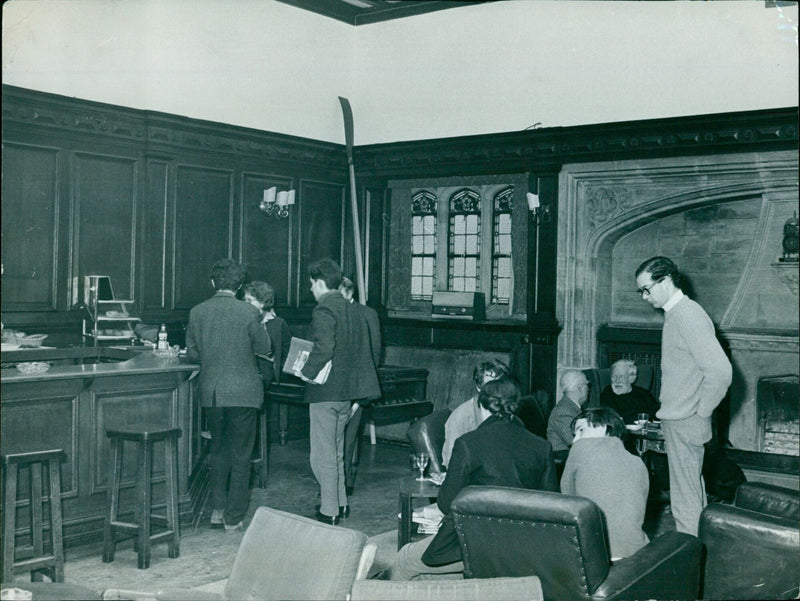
207 554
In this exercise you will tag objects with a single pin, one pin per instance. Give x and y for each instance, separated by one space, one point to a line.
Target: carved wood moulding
160 131
774 129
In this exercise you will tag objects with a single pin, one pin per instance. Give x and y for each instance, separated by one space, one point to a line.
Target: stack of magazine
427 519
296 358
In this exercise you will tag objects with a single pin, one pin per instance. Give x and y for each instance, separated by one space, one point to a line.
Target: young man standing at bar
224 335
695 375
340 335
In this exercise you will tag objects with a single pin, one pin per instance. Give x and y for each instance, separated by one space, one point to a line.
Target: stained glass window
501 247
423 245
464 236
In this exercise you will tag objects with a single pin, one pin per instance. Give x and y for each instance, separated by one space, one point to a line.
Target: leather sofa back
515 532
753 547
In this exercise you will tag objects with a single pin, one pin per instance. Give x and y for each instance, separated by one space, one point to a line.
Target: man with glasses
695 375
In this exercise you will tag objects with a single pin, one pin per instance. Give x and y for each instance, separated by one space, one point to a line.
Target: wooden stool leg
263 443
112 501
143 503
56 527
171 453
9 520
36 523
283 423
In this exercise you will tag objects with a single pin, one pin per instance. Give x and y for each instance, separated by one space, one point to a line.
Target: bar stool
145 436
53 562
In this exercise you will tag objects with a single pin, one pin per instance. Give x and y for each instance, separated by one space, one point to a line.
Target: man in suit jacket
340 335
352 430
500 452
224 336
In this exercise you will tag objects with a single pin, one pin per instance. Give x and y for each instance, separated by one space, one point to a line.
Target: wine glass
421 461
641 419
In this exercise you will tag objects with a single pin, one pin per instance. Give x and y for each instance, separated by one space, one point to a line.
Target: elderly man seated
559 426
625 398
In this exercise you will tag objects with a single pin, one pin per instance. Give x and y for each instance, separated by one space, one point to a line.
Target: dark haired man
224 335
352 430
340 335
599 468
695 375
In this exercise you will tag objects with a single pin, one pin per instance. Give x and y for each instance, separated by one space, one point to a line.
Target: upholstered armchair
283 556
562 539
426 435
477 589
752 548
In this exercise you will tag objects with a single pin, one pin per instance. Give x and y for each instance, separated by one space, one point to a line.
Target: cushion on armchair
427 436
486 589
753 547
287 556
562 540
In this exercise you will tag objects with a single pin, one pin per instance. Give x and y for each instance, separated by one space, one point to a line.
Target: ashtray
32 341
33 367
168 353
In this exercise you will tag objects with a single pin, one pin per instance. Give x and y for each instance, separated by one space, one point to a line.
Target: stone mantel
600 204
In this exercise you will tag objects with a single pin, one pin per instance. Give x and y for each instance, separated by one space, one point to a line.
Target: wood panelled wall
153 200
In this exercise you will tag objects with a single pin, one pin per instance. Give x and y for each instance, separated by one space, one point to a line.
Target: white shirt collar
268 316
673 300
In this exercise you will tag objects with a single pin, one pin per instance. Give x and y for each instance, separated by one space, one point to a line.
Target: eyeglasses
645 290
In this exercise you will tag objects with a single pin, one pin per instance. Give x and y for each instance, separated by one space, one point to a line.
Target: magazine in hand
296 358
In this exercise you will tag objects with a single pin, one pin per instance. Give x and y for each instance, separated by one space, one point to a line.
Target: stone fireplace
720 218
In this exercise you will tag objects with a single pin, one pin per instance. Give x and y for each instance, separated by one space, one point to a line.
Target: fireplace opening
778 410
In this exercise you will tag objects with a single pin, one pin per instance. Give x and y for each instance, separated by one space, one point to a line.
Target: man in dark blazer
340 335
224 335
352 430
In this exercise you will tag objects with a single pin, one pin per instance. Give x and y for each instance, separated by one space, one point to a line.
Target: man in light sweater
695 375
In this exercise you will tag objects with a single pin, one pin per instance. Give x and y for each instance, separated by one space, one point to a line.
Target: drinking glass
421 461
642 419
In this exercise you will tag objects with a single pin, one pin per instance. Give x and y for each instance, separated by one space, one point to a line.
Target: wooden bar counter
70 406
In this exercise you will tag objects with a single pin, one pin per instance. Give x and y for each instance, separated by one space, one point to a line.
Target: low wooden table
648 438
410 488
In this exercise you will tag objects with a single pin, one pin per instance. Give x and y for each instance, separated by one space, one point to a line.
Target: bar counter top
86 392
91 362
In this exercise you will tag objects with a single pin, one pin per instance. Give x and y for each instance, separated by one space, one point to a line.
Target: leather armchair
752 547
509 532
600 378
427 436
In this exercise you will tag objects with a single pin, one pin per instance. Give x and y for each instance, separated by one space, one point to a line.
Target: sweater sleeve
711 361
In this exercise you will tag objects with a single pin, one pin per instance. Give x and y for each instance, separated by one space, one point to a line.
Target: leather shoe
327 519
344 512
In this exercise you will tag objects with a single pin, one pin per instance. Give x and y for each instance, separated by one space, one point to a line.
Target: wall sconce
276 204
540 213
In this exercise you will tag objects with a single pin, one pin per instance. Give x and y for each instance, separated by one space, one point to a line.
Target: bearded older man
625 398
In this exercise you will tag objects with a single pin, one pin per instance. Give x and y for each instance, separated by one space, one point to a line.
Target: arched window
502 277
464 236
423 245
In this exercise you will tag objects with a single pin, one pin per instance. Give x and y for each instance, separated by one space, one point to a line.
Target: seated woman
499 452
262 297
601 469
